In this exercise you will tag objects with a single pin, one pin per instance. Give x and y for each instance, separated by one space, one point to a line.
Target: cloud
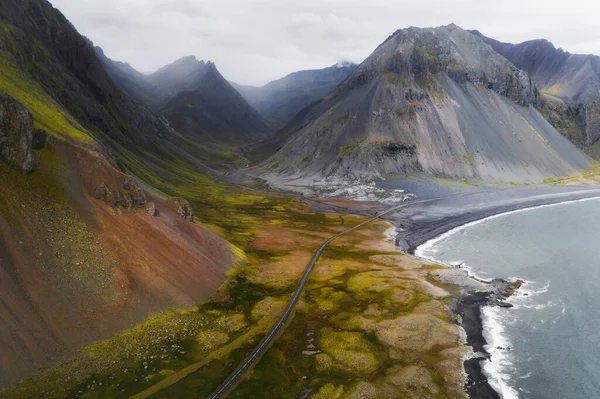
255 41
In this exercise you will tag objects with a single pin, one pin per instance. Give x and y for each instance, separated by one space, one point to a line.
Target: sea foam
494 319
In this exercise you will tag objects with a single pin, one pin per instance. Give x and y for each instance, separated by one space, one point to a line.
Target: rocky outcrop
41 139
16 126
151 209
182 207
125 197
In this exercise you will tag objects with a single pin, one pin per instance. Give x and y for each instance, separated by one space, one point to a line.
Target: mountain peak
187 59
344 64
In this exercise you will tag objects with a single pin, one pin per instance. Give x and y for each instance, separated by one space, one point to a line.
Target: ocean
547 345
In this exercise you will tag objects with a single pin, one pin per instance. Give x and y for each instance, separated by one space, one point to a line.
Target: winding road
264 344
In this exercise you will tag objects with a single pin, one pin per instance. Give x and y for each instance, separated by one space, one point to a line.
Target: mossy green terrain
337 336
46 112
358 331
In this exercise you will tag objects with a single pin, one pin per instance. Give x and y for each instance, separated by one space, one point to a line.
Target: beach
425 224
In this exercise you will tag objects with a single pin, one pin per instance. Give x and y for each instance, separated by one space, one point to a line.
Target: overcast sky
255 41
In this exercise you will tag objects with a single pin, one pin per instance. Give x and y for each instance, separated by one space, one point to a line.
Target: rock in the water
16 126
41 139
183 208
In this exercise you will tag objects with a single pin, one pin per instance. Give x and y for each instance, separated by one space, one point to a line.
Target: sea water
548 345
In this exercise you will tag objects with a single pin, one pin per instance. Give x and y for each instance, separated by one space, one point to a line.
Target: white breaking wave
498 346
495 319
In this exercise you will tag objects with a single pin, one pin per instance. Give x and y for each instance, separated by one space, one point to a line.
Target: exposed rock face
433 100
16 126
569 82
183 208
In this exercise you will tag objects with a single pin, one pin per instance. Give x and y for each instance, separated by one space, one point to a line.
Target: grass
350 147
46 113
213 337
552 90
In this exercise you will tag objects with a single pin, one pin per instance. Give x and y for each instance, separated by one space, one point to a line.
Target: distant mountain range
213 105
279 101
194 97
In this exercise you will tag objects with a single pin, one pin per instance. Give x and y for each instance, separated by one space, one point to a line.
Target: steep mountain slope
183 74
129 80
85 251
42 43
213 111
440 101
570 84
279 101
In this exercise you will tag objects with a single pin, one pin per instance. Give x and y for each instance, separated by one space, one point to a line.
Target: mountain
436 100
212 110
135 84
40 42
279 101
197 100
183 74
86 249
569 83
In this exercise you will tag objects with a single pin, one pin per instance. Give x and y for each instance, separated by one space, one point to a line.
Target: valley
174 234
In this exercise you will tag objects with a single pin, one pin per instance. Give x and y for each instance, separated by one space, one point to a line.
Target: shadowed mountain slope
569 83
196 99
42 43
437 100
213 111
279 101
133 83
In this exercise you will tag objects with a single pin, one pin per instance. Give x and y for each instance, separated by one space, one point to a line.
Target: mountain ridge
213 110
198 102
420 103
570 84
280 100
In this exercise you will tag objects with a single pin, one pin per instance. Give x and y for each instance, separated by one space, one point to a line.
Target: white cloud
255 41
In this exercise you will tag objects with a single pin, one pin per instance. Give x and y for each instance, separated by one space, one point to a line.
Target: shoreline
471 302
430 228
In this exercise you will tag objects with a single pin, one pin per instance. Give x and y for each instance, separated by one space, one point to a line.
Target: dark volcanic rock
16 126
